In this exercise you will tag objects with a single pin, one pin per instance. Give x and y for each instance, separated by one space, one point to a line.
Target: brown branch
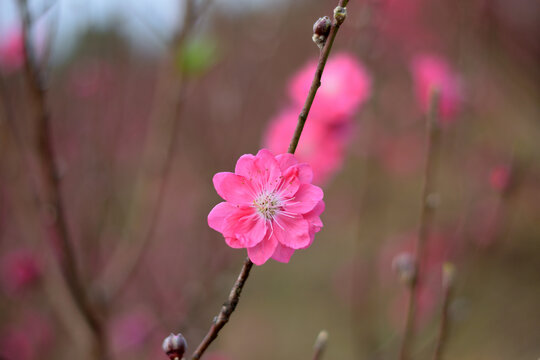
234 296
226 310
426 219
50 194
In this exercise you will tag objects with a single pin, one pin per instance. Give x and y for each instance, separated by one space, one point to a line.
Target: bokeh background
148 99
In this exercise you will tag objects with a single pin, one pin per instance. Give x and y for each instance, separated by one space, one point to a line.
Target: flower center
267 204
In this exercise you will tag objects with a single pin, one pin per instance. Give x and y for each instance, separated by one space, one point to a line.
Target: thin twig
443 326
50 194
320 345
426 219
229 306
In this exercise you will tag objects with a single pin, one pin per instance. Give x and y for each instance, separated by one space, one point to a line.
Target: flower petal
246 226
263 251
282 253
305 199
286 160
233 188
245 166
218 215
269 174
292 232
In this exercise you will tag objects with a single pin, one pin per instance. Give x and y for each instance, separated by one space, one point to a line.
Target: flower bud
174 346
340 13
321 29
448 274
404 265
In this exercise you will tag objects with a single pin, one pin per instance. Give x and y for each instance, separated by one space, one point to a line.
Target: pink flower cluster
431 72
345 86
271 208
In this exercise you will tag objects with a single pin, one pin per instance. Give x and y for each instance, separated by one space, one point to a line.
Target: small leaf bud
340 14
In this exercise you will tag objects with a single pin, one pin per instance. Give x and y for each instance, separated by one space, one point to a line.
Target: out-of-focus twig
156 164
447 280
426 218
223 317
320 345
49 191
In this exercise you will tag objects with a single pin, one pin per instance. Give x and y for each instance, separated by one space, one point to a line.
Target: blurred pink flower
20 269
321 145
432 72
499 177
271 207
345 85
130 330
11 51
32 335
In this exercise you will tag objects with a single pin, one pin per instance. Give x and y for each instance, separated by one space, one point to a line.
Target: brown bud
174 346
322 26
404 264
321 29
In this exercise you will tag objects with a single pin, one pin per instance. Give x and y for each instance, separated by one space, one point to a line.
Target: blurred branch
426 218
230 305
50 195
156 165
320 345
448 270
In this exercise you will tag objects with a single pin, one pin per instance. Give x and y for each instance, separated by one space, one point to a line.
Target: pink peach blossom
271 207
345 85
19 270
11 51
431 72
499 177
321 145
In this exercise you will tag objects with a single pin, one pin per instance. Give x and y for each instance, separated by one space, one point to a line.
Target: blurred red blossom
27 339
11 51
20 270
431 72
499 177
271 207
345 85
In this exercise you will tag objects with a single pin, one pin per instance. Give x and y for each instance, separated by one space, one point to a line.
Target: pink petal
289 183
292 232
245 166
233 188
234 242
269 174
305 199
263 251
218 215
246 226
282 253
286 160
